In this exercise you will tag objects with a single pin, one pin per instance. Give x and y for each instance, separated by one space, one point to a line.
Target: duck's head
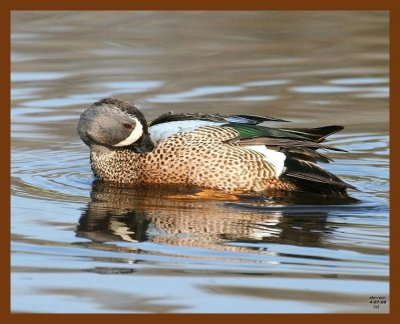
115 124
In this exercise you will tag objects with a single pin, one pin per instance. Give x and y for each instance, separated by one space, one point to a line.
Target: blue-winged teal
228 153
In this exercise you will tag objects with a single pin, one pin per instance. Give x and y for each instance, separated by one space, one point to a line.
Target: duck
223 153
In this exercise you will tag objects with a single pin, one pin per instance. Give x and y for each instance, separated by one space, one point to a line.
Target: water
79 245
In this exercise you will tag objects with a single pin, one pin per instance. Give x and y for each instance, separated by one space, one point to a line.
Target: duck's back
204 157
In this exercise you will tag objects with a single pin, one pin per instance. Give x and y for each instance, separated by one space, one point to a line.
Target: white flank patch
160 132
134 136
277 159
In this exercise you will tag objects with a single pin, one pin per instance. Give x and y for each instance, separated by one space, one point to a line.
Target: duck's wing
318 134
242 119
172 117
299 145
312 177
284 138
251 119
301 134
170 123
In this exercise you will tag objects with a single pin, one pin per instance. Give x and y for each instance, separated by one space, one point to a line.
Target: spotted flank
232 154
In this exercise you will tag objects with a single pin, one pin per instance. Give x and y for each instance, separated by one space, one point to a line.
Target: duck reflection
121 213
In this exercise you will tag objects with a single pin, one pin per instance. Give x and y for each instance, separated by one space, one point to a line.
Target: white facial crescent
134 136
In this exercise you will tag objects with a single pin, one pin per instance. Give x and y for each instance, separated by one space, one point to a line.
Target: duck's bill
143 145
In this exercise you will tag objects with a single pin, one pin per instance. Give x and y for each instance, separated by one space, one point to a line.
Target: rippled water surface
79 245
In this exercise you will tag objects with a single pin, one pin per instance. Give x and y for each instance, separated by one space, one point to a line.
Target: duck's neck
114 165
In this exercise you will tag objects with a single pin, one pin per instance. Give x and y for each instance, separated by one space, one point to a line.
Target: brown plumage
200 158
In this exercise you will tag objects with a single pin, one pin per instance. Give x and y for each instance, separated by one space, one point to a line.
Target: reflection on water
80 245
118 213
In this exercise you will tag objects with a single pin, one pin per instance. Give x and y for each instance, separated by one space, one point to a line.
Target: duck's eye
127 126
